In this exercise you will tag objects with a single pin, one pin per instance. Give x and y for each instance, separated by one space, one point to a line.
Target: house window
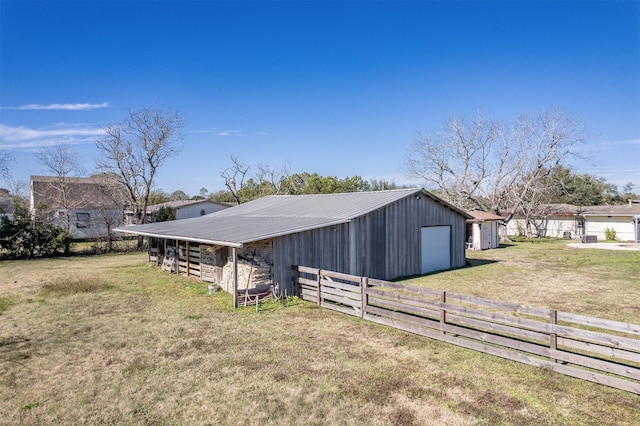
83 220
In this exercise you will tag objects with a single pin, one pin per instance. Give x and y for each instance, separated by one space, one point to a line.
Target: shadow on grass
470 263
476 262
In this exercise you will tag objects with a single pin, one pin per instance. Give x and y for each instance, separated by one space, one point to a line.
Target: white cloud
65 107
216 132
229 133
23 137
624 142
612 143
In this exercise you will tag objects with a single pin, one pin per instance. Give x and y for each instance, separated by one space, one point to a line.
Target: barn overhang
130 230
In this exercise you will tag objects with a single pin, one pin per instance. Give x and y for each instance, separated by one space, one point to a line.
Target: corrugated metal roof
274 216
336 206
177 204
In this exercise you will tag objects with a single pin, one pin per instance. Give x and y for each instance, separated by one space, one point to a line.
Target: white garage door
436 248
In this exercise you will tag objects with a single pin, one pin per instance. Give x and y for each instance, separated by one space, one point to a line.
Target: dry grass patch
76 284
154 348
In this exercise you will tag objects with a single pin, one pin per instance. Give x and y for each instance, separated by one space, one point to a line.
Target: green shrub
24 236
610 234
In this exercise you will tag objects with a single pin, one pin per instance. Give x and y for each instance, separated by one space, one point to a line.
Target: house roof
480 216
571 210
277 215
177 204
81 192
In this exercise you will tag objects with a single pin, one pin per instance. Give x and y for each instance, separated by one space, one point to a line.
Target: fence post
553 337
319 279
443 311
364 285
297 290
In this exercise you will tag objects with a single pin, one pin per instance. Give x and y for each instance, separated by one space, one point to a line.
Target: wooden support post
234 254
297 288
364 285
443 311
553 337
319 281
188 248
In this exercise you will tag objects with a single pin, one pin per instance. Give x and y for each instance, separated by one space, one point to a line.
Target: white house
569 221
89 207
185 209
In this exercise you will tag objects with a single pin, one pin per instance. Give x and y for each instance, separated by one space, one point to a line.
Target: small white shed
482 230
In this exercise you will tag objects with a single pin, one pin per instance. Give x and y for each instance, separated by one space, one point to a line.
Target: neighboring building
569 221
90 207
482 230
381 234
185 209
7 207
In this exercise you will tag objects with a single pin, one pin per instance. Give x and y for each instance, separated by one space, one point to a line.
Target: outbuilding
378 234
482 230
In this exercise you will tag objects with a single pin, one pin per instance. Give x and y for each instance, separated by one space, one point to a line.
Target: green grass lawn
110 340
548 274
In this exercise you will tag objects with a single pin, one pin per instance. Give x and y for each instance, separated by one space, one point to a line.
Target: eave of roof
481 216
229 231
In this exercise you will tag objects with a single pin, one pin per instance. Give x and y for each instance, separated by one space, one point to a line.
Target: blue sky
336 88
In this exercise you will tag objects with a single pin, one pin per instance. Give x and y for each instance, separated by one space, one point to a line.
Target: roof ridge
346 193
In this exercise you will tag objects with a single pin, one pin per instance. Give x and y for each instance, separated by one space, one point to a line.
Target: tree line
474 162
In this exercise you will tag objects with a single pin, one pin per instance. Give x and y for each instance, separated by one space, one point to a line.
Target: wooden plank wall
384 244
594 349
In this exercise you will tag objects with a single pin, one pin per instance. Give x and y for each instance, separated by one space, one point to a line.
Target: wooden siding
383 244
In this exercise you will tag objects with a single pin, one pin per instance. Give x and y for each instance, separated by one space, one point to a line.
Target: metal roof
274 216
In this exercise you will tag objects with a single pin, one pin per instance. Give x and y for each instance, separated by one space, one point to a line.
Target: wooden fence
599 350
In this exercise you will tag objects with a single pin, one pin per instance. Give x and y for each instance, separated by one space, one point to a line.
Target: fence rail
594 349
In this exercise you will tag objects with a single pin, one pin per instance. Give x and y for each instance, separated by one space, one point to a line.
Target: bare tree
492 166
134 150
271 181
234 177
62 163
6 159
109 201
